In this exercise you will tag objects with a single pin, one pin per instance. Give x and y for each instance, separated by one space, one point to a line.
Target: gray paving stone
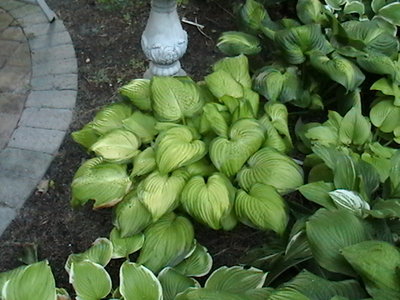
21 56
8 122
45 28
52 99
55 82
6 216
48 118
69 66
11 4
5 20
50 40
7 47
32 19
13 33
22 11
37 139
57 53
15 190
11 103
14 79
24 163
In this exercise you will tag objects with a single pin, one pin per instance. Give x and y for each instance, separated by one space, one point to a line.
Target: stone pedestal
164 41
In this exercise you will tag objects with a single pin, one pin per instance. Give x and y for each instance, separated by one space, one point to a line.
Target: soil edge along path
38 90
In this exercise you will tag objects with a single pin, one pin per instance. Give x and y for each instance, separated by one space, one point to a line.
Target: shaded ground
107 44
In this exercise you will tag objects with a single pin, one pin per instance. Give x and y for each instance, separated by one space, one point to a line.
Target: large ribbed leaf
252 13
245 137
287 294
122 247
213 113
394 175
309 11
335 4
328 232
138 283
235 42
268 166
110 117
198 264
339 69
167 243
297 42
209 202
207 294
144 162
237 67
160 193
385 115
174 99
117 146
262 208
235 280
391 13
349 200
318 192
138 92
86 137
34 282
105 183
131 216
272 137
173 283
90 280
377 263
9 275
317 288
278 115
377 64
177 140
142 125
223 83
355 128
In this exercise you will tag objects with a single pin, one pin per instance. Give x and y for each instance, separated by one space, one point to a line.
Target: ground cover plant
175 150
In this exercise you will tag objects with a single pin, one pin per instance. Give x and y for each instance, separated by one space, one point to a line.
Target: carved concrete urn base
164 41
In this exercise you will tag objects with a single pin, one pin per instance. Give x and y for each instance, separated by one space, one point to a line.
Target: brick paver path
38 89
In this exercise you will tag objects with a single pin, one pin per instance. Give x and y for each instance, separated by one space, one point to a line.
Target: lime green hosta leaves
318 192
110 117
90 280
141 125
122 247
117 146
355 128
177 147
339 69
222 83
144 162
167 242
198 264
207 294
297 42
138 92
349 200
213 113
245 137
328 232
268 166
385 115
234 43
252 13
174 99
388 87
34 282
391 13
105 183
209 202
160 193
262 208
202 167
86 137
377 263
173 283
377 64
131 216
138 282
237 67
278 115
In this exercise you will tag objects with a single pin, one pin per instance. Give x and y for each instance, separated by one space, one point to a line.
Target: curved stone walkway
38 90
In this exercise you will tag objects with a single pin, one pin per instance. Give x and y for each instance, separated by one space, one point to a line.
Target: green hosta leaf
9 275
309 11
221 83
259 294
138 92
278 116
354 7
203 167
207 294
381 165
86 137
90 280
376 5
335 4
122 247
377 64
287 294
144 162
105 183
235 280
318 192
177 140
198 264
355 128
394 175
167 242
245 138
262 208
317 288
349 200
377 263
388 87
339 69
209 202
323 135
234 43
213 114
131 216
330 231
391 13
237 67
160 193
110 117
297 42
118 146
268 166
142 125
272 137
139 283
34 282
174 99
383 209
320 172
252 13
385 115
173 283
